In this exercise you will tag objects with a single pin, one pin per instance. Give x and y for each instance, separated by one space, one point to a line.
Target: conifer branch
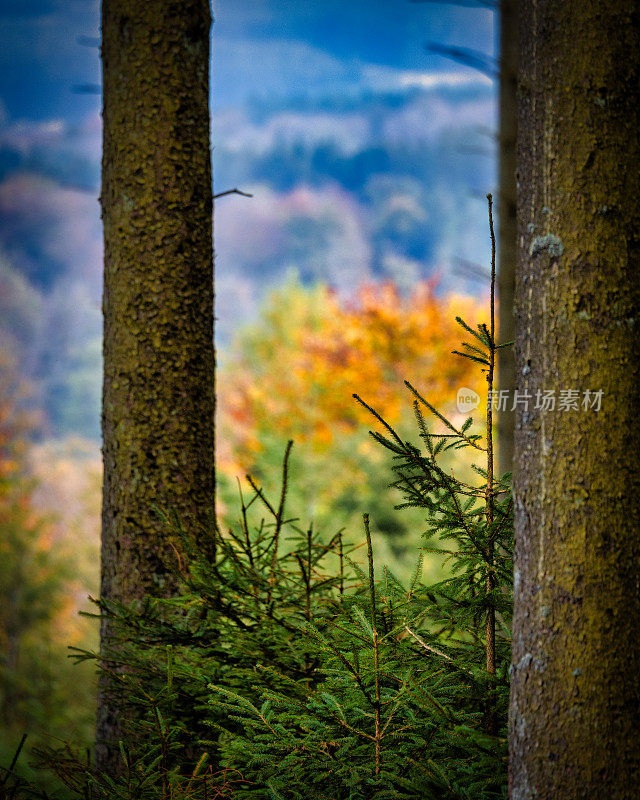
379 418
442 419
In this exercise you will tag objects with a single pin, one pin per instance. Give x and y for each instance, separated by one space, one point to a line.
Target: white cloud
422 117
428 116
388 79
318 233
350 132
45 225
439 80
24 137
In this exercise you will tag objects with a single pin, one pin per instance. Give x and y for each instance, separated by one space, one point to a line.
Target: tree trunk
576 645
158 394
508 228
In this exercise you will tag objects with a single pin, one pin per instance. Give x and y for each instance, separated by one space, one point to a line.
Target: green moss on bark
576 675
158 396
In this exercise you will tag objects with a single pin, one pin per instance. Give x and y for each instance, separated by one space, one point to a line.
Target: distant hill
375 184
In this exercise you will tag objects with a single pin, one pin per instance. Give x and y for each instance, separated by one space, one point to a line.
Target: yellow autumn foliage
292 375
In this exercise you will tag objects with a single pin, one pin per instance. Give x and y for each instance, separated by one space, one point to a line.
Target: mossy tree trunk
576 644
508 227
158 395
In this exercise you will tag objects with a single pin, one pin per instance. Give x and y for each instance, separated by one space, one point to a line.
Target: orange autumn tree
292 374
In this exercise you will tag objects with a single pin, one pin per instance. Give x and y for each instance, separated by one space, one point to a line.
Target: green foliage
290 667
41 692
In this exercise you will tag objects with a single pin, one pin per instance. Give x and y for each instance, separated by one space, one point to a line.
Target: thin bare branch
481 62
231 191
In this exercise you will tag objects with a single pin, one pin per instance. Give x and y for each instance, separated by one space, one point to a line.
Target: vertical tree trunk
158 394
508 228
576 644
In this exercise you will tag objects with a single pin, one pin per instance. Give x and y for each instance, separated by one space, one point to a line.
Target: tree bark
508 226
158 393
576 650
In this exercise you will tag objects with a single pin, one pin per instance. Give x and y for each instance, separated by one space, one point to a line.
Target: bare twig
14 760
280 512
231 191
491 722
481 62
426 646
376 649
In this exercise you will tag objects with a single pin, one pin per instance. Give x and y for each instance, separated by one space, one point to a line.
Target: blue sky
259 46
367 156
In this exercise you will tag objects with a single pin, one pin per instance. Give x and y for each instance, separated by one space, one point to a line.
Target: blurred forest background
368 158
